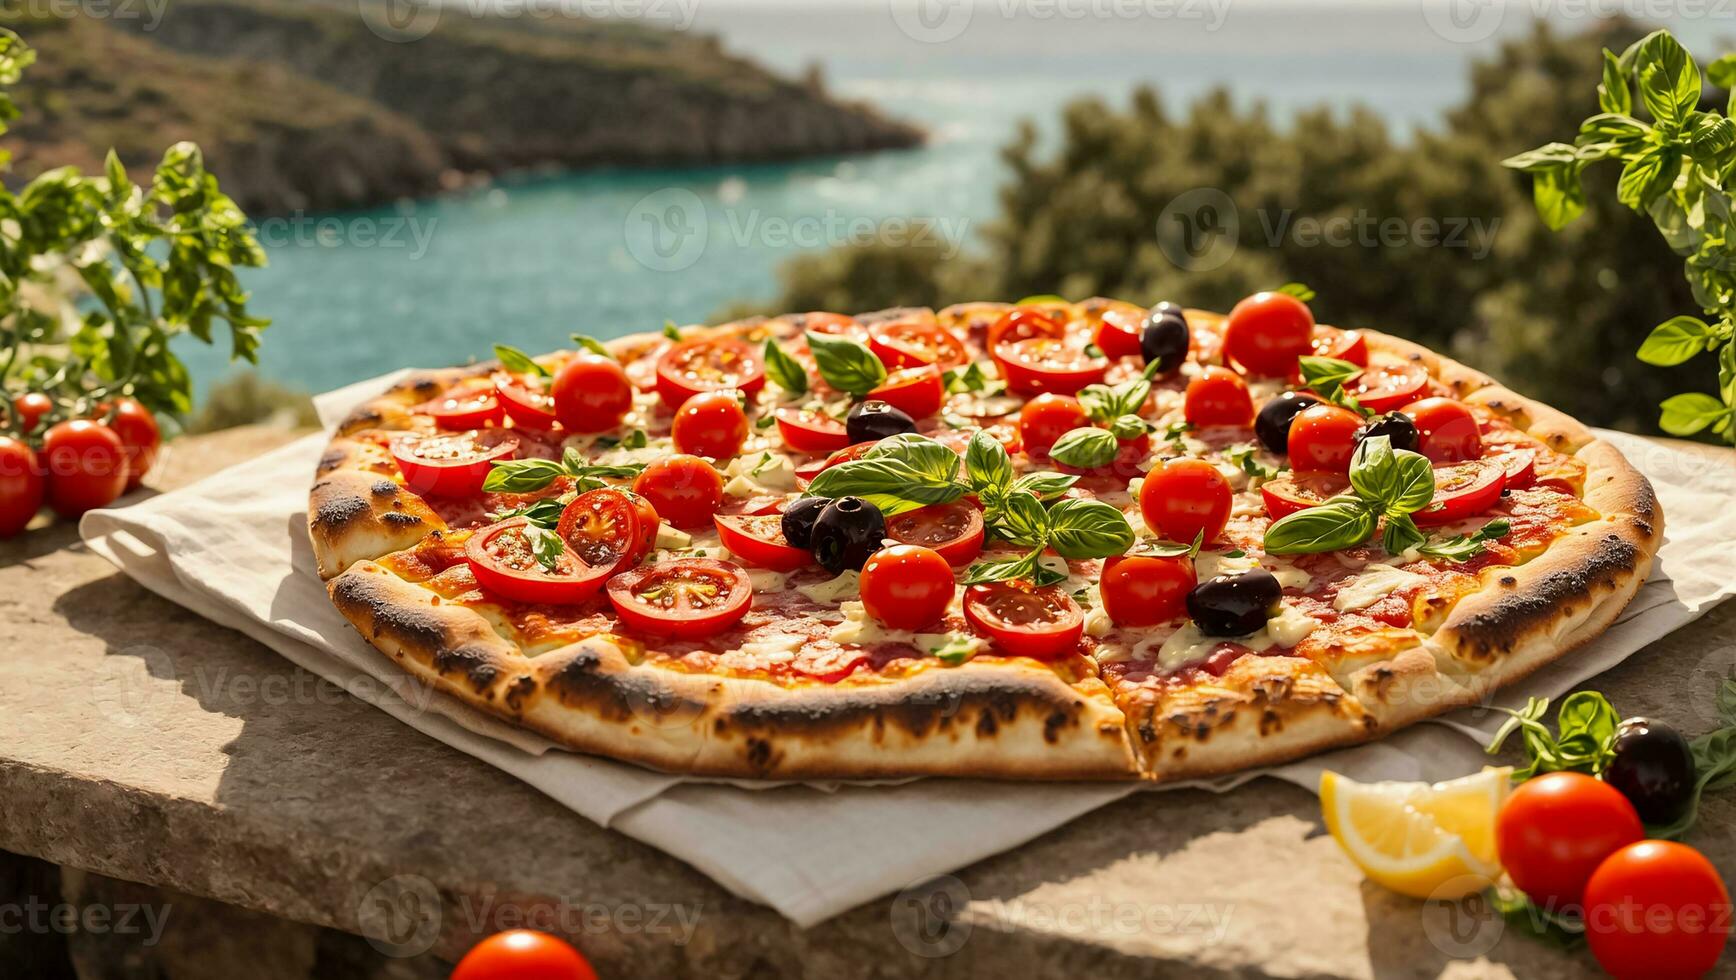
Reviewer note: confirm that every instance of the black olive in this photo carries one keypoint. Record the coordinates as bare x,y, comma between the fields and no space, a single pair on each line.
1396,426
1654,768
799,518
1235,605
1272,425
848,530
874,420
1164,338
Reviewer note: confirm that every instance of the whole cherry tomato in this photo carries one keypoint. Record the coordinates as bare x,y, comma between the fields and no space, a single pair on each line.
86,464
1047,418
684,490
906,586
1323,439
523,954
1145,590
31,407
1267,332
711,423
1447,432
140,437
1185,498
591,393
21,485
1218,396
1656,909
1555,830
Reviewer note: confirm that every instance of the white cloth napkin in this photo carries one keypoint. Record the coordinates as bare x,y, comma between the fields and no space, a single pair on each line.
234,548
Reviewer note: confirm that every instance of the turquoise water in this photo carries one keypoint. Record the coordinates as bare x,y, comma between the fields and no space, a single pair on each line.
529,261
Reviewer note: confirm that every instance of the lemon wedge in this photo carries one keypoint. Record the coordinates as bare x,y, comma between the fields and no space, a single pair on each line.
1420,839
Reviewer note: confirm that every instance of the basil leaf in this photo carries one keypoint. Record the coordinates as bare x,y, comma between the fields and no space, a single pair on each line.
1155,548
1088,529
1339,523
970,378
637,439
956,650
1297,290
785,371
593,345
1464,547
515,361
545,545
1022,520
1045,486
1086,448
1326,375
987,467
938,463
1129,427
1401,535
670,330
885,480
522,475
845,364
1689,412
1103,403
1004,570
543,513
1394,481
1244,456
1587,713
1669,79
1613,95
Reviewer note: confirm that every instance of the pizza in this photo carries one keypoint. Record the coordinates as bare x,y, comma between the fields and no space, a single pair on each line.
1047,540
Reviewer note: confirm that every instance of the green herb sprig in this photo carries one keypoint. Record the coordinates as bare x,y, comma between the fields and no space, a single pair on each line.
1385,483
845,364
1327,376
785,371
531,475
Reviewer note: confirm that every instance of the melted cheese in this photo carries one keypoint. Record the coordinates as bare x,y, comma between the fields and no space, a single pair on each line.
1211,564
1375,583
1097,622
766,580
764,473
1188,644
779,647
848,585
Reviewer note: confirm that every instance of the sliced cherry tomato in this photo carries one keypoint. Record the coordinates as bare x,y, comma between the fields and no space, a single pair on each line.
707,364
1044,364
523,954
526,401
451,464
685,490
1343,345
917,392
1218,396
1555,830
1323,438
953,530
602,527
1024,324
711,423
914,343
1022,620
687,598
808,431
21,485
471,406
1446,430
591,394
907,586
86,464
807,471
139,434
1384,387
1185,498
1520,466
1300,491
1117,335
758,540
1462,490
1657,909
1267,332
648,523
503,557
31,407
836,324
1145,590
1047,418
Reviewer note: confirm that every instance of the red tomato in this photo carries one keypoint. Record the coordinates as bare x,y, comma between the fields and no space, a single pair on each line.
1446,430
1300,491
1047,418
1267,332
86,464
1555,830
472,406
954,530
806,472
1520,466
31,407
907,586
688,598
707,364
1184,498
591,393
602,527
1384,387
836,324
451,464
758,540
1023,324
504,563
685,490
917,392
21,485
1323,438
811,432
1462,490
1118,335
139,434
1657,910
523,954
1141,590
648,523
1218,396
710,423
526,401
1022,620
914,343
1343,345
1046,364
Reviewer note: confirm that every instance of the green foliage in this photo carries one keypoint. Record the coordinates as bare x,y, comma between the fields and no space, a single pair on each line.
247,400
1674,169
